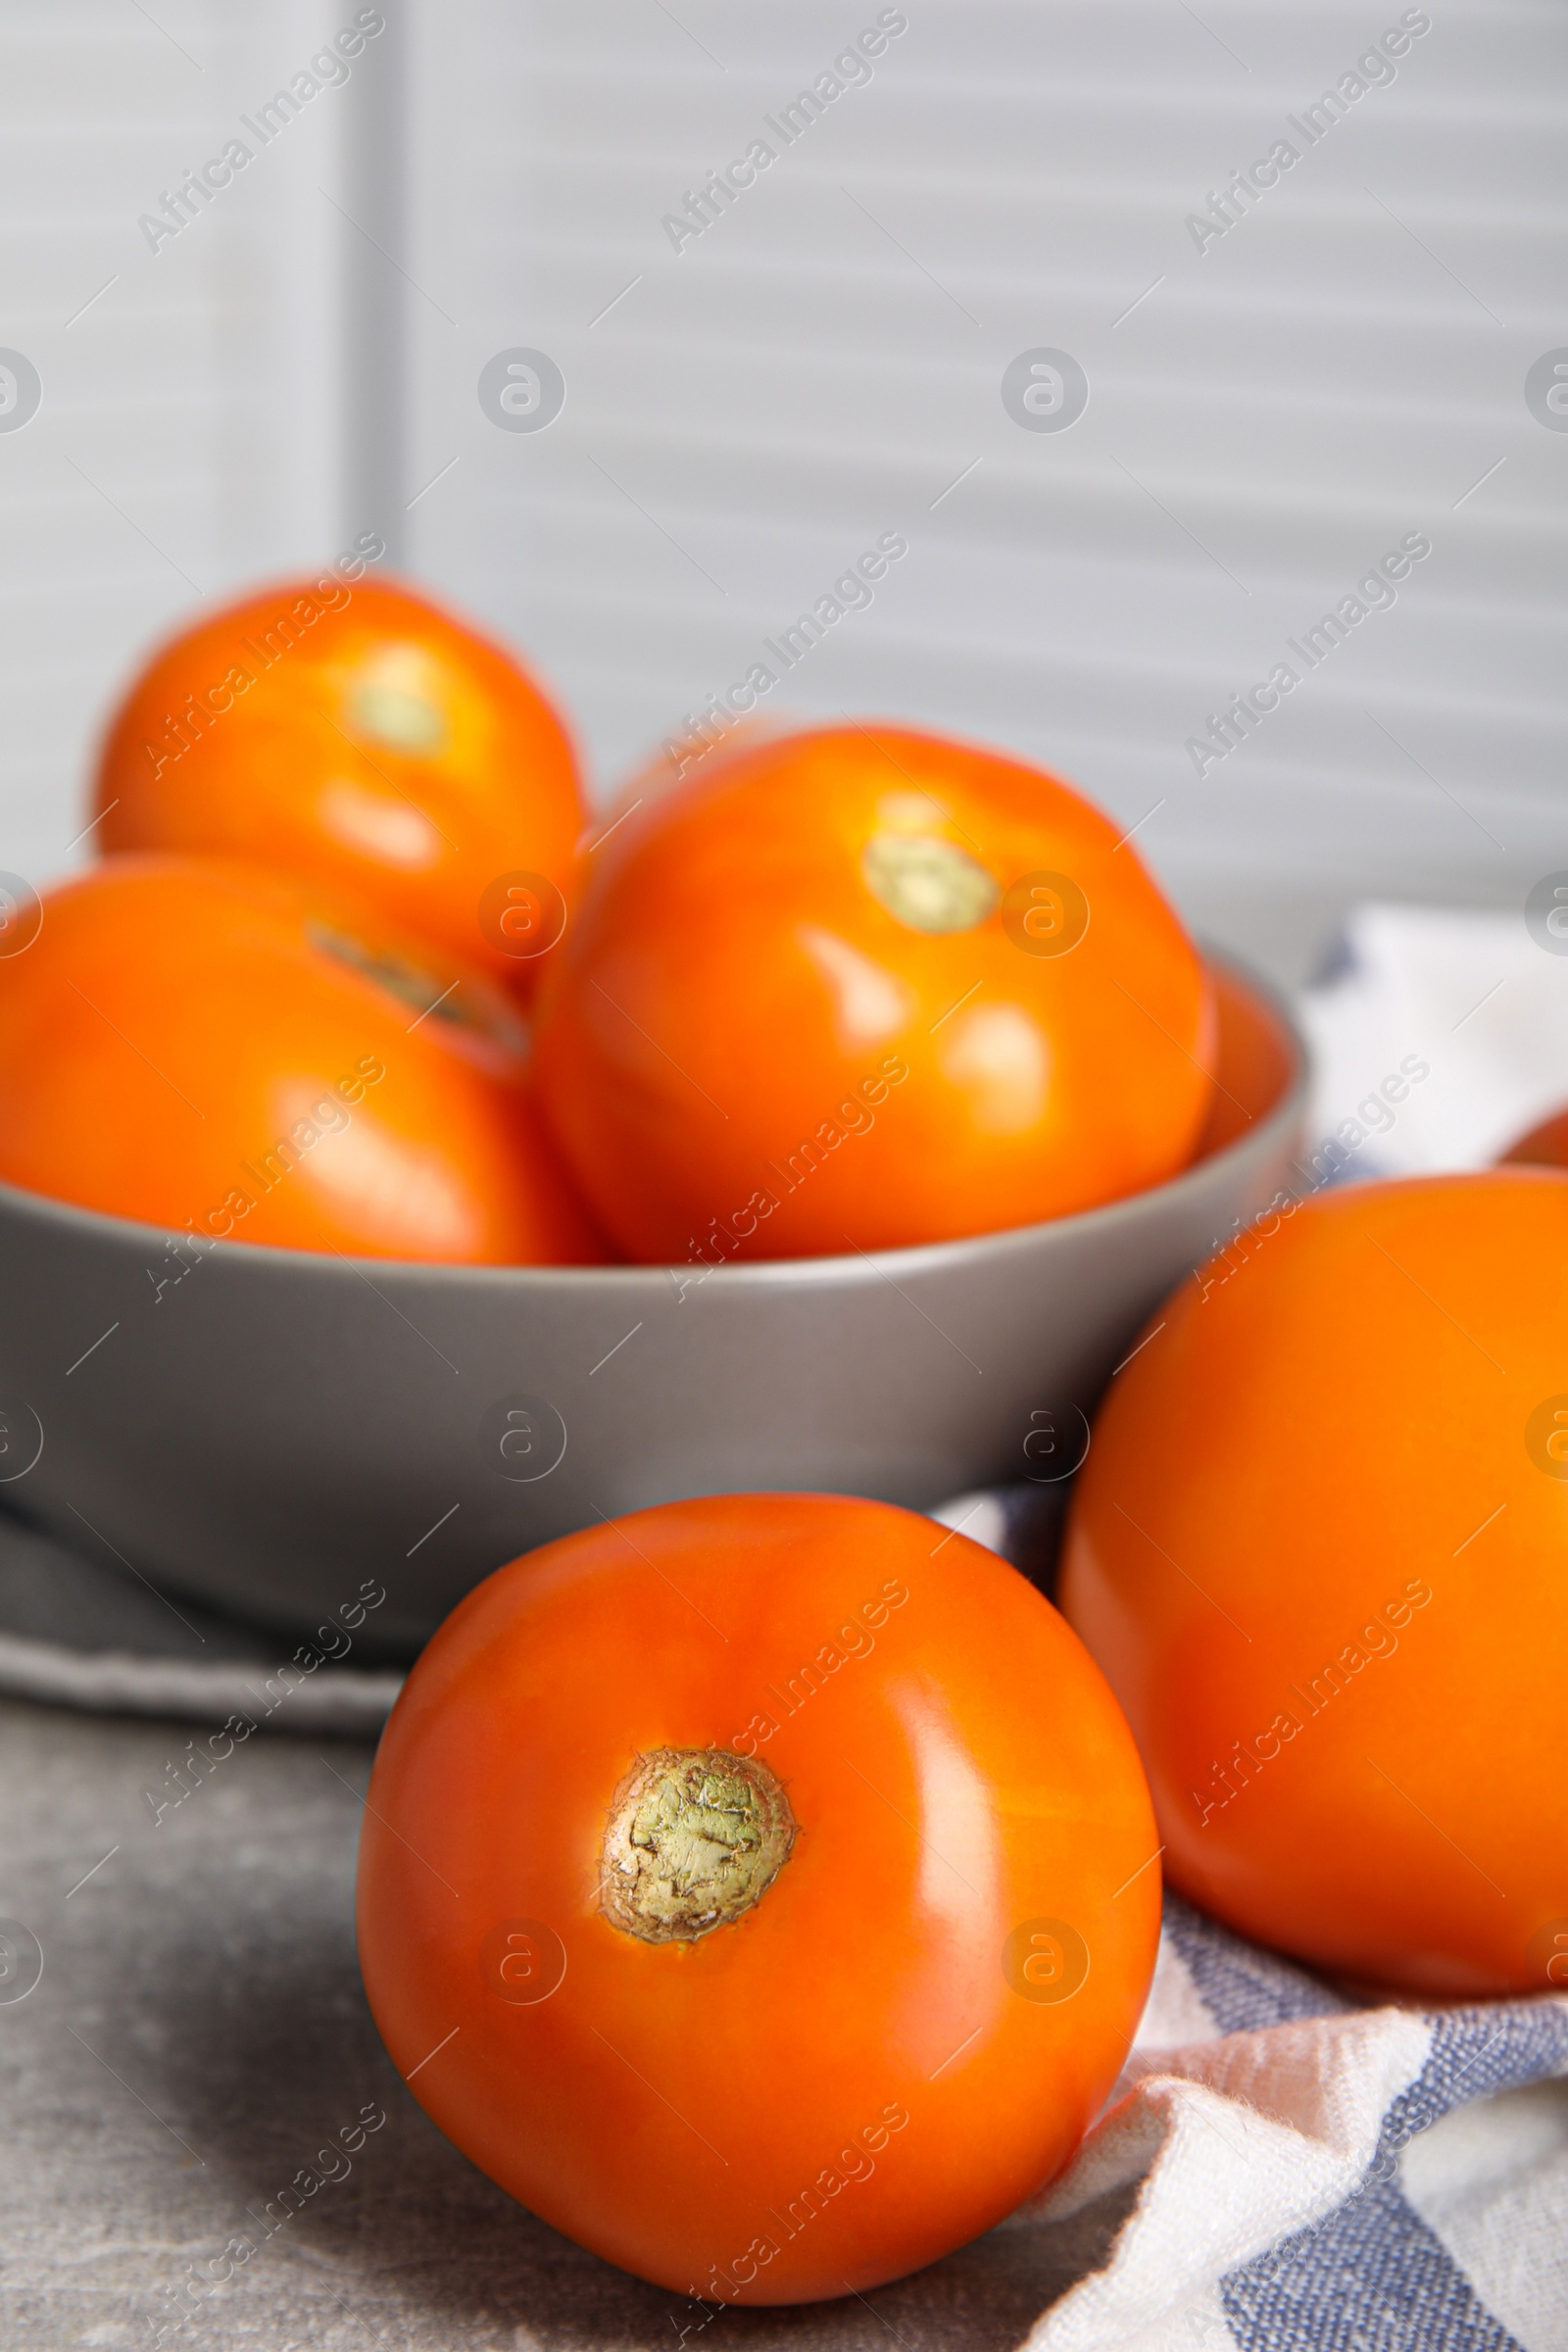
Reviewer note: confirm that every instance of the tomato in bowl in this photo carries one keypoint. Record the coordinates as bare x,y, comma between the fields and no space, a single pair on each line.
353,733
868,988
220,1053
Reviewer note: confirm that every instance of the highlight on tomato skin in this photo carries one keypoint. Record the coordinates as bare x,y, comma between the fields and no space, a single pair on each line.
764,1889
866,987
350,731
216,1050
1317,1549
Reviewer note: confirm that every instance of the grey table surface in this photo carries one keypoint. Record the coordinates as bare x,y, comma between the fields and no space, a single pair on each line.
199,2031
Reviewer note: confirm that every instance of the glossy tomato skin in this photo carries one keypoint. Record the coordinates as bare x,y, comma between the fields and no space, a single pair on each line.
209,1047
836,991
843,2082
356,734
1317,1547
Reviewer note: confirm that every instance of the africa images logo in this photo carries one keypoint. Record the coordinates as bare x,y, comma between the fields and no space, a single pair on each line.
1373,70
851,70
328,70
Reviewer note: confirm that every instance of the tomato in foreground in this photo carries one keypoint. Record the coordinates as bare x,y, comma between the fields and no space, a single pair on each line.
763,1889
1318,1548
210,1048
865,987
351,732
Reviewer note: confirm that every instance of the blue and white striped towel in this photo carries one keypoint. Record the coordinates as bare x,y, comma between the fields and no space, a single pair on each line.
1322,2177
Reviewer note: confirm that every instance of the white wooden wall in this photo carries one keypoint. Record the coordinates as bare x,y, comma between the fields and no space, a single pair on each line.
1266,416
191,428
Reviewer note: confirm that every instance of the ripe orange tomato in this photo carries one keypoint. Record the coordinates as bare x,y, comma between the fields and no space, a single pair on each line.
763,1889
209,1047
859,988
1545,1147
353,733
1318,1548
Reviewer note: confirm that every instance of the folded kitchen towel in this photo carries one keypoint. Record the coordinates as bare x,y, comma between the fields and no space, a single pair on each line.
1439,1035
1321,2175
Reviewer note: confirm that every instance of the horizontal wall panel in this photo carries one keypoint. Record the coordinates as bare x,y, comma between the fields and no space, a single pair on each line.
1270,408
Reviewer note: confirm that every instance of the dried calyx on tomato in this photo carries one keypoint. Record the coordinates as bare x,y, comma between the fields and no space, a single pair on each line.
694,1838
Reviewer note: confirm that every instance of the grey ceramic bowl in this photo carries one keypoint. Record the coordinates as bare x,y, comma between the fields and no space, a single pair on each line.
266,1428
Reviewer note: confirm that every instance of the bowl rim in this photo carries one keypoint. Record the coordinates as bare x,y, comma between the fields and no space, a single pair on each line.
17,1202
